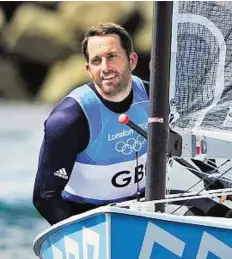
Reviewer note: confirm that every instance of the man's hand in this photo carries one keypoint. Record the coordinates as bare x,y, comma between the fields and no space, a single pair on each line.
223,198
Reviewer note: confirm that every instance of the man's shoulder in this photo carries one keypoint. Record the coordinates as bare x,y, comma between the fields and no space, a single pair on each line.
81,91
146,85
144,82
63,115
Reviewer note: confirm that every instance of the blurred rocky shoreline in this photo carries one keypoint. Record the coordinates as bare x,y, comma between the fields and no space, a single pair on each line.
40,54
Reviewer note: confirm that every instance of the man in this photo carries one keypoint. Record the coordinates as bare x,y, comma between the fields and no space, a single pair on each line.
88,158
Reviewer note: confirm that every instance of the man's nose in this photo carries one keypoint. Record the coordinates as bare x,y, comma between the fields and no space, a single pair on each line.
105,64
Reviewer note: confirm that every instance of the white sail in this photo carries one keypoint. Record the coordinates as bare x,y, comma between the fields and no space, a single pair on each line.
201,67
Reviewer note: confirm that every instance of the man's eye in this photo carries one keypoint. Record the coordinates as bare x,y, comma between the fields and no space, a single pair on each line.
112,56
96,61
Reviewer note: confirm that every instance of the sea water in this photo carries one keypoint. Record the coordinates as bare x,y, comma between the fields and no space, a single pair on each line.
21,133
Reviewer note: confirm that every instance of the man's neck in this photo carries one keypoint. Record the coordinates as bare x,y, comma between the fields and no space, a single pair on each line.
117,107
117,97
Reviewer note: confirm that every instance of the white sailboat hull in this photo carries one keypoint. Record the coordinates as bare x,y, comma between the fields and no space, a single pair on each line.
116,233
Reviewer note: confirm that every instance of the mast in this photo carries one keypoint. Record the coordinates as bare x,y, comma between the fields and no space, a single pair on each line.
158,103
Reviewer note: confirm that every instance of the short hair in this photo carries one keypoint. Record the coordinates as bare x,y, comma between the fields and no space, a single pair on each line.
106,29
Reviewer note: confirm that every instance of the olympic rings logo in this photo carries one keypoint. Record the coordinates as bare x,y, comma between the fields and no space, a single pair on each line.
131,145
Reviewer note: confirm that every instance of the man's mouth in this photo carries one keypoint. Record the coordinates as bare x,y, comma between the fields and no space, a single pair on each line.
109,77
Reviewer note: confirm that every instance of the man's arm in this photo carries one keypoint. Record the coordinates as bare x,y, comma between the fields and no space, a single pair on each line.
66,133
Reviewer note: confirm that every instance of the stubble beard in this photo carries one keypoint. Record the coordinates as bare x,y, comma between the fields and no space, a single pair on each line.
120,87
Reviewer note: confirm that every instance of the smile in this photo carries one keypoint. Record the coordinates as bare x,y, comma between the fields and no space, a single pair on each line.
109,77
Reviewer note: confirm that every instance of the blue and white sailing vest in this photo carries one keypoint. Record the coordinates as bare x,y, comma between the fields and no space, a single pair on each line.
107,170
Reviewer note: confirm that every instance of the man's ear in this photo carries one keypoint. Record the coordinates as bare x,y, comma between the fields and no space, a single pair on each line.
133,60
88,69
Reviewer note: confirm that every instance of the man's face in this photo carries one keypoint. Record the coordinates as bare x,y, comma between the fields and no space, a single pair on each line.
108,64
